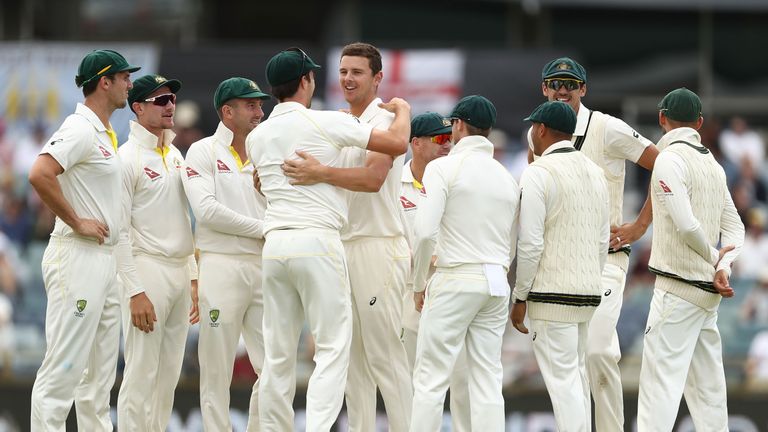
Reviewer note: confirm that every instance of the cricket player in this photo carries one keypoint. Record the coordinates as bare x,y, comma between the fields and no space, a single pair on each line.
609,142
430,139
162,253
564,232
78,176
376,247
305,270
229,213
692,212
467,298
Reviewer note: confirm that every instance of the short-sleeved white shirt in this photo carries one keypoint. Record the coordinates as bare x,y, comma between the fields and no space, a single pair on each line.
622,143
91,181
322,134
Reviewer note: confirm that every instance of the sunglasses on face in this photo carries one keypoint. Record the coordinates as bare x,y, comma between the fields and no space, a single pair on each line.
440,139
162,100
569,83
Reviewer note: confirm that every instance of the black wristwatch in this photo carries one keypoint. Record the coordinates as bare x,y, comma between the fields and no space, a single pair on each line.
517,301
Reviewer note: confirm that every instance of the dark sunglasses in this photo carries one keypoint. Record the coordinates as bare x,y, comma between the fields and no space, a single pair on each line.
440,139
569,83
162,100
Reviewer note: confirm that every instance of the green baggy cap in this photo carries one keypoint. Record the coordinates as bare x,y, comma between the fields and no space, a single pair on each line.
289,65
555,115
430,124
564,67
148,84
475,110
99,63
237,88
682,105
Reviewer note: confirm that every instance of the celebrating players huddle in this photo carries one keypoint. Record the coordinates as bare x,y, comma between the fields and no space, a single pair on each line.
399,270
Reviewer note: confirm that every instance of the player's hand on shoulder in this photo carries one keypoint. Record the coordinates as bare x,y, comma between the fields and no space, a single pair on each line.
396,104
92,228
142,313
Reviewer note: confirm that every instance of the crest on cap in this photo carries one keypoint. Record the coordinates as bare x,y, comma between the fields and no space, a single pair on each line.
160,79
563,66
253,85
446,122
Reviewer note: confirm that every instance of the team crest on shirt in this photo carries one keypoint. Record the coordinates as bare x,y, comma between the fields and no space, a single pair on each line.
191,173
80,307
176,162
407,204
222,167
151,174
664,187
105,152
213,314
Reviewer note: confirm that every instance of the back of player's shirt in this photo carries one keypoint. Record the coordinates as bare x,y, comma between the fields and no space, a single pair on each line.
322,134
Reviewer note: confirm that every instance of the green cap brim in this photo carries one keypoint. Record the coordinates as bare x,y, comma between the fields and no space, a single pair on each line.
254,95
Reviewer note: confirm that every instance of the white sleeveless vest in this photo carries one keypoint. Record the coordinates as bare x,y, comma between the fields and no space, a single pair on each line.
683,271
567,285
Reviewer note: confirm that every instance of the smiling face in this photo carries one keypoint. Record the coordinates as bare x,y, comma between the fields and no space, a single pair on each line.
243,115
562,94
358,82
155,117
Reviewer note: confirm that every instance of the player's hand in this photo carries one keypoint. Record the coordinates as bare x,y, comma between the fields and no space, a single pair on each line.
257,181
518,316
92,228
303,171
418,300
194,312
142,313
626,234
724,250
396,104
722,285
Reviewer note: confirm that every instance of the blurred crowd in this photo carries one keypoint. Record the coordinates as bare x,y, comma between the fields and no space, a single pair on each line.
25,225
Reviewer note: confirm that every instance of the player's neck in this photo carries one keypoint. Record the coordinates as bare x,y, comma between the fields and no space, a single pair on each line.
417,168
359,108
101,108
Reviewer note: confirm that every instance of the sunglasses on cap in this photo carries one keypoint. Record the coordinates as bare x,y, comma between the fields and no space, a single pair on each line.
570,84
304,58
440,139
162,100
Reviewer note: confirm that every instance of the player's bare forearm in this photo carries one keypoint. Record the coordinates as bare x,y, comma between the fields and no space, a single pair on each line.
42,177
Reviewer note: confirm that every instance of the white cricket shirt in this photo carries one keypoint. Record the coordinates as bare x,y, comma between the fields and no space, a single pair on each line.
91,178
411,192
154,202
471,203
374,214
228,210
322,134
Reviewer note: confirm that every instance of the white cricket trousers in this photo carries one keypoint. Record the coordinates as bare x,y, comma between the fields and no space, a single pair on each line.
603,353
82,333
459,384
153,360
560,351
682,355
378,271
460,312
305,277
231,304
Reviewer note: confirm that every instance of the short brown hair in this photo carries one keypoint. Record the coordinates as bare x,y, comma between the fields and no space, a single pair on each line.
474,130
362,49
286,90
91,85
